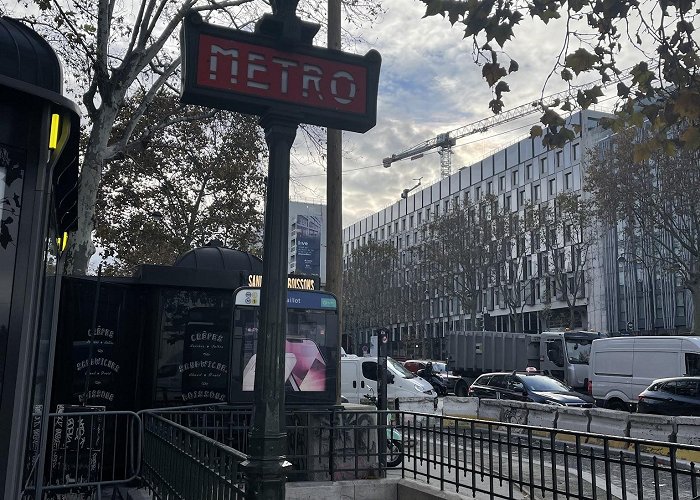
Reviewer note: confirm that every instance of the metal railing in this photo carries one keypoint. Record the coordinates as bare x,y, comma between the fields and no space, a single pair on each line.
182,463
499,459
86,452
197,452
465,455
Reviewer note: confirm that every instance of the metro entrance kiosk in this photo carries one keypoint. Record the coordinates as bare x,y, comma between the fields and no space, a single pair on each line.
39,136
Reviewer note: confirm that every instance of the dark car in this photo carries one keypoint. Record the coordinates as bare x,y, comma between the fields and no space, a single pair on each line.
671,396
528,387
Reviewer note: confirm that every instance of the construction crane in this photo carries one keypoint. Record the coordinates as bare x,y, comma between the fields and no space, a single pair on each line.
446,140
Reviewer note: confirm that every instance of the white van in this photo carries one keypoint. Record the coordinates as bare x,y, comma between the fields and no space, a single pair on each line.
359,375
622,367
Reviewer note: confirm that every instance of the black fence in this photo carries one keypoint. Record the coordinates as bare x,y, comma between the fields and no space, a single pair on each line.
86,452
197,452
463,455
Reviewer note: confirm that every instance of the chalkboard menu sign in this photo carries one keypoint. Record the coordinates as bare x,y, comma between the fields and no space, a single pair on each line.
77,443
204,365
193,360
96,365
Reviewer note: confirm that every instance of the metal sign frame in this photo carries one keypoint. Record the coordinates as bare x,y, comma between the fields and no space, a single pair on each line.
292,62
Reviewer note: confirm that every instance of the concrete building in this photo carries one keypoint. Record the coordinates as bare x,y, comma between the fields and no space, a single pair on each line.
525,174
307,239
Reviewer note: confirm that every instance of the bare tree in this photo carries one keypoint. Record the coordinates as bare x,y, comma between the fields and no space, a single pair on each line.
111,51
658,201
460,248
370,287
567,222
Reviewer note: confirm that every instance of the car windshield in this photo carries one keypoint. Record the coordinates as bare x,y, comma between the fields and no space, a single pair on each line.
578,351
398,368
540,383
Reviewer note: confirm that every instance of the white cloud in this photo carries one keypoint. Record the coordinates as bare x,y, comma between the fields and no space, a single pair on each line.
429,84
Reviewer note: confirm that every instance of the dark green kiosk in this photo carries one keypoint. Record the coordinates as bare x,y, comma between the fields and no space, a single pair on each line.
39,138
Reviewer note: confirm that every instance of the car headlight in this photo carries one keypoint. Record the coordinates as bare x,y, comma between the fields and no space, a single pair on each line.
555,403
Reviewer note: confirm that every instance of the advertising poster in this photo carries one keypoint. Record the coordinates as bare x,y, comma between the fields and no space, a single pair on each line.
309,244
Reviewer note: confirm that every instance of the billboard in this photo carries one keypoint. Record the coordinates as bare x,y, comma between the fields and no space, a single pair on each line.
308,242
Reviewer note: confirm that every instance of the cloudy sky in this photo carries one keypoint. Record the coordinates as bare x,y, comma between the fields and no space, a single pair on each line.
429,84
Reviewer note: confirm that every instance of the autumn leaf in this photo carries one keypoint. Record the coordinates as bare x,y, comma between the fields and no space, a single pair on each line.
493,72
688,104
691,137
433,7
536,131
580,61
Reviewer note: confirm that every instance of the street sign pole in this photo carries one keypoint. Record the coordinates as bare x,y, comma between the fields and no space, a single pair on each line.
266,468
276,73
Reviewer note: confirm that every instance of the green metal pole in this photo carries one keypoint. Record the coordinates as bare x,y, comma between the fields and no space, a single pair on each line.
266,468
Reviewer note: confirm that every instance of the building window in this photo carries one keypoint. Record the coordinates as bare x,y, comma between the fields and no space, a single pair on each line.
543,165
408,240
514,177
536,192
508,203
528,171
478,192
489,187
396,227
567,180
420,215
552,186
363,240
502,183
559,159
427,214
410,222
467,197
574,151
521,198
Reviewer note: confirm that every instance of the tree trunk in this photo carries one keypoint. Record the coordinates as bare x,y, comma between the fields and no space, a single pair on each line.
81,247
694,287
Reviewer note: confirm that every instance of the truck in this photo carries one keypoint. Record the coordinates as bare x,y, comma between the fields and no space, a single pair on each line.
563,355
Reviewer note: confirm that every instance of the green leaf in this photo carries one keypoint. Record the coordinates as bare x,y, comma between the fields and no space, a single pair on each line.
566,75
513,66
580,61
536,131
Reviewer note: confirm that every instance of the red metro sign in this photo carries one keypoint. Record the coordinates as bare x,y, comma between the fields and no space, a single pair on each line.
254,74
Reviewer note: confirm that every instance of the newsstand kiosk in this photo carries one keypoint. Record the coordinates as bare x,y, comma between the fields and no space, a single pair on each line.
39,138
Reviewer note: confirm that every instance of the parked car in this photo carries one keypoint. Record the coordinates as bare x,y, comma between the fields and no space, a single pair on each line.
528,387
439,367
671,396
